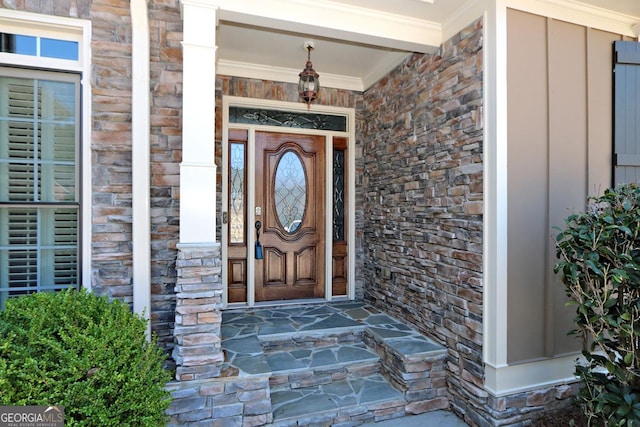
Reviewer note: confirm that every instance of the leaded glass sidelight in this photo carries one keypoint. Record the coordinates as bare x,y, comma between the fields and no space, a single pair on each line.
338,195
290,192
236,193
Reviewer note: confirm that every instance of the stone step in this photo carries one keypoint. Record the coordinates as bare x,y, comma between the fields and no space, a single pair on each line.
309,339
345,402
322,365
338,364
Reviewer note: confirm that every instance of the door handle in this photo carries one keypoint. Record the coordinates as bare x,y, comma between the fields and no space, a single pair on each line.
258,244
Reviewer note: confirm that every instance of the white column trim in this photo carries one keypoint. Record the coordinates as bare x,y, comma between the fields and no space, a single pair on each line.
495,186
87,180
507,380
198,168
140,159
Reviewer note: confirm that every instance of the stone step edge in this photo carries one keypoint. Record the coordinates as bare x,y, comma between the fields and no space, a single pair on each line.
313,333
374,359
324,376
390,341
363,408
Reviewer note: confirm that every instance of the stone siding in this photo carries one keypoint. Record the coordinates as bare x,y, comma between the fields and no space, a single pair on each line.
198,316
233,402
111,265
165,25
422,189
516,410
111,168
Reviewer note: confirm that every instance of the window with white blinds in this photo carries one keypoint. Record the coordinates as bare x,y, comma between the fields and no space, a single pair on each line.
39,181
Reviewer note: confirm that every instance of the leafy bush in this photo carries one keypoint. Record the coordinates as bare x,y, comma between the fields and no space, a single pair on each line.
599,262
85,353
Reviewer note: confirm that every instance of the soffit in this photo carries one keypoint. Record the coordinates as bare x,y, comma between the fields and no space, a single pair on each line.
356,41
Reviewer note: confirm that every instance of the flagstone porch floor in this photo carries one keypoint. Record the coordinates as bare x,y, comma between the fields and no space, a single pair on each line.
304,348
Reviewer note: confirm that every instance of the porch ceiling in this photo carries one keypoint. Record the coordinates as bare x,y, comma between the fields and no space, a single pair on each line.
356,41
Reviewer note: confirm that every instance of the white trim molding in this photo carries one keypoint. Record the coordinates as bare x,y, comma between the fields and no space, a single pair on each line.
140,157
506,380
287,75
580,13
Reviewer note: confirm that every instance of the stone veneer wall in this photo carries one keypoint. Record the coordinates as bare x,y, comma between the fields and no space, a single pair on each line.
110,135
165,24
423,203
111,168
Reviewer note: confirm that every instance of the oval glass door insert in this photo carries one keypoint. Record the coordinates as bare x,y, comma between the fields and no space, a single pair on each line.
290,192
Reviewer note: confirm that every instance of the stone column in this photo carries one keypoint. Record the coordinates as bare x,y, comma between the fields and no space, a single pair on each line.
197,350
199,287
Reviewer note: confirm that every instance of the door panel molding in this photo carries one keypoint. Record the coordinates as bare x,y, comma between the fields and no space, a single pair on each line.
304,190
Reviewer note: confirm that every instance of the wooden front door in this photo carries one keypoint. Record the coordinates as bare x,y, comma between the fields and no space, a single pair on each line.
290,208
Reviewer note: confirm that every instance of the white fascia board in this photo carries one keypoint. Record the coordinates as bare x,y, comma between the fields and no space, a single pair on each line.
511,379
337,21
579,13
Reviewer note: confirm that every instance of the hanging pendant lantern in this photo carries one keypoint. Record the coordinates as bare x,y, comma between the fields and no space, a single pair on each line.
309,83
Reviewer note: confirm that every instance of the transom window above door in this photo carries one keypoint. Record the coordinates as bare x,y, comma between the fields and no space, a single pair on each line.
290,119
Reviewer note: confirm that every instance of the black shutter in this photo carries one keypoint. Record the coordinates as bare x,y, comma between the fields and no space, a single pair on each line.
626,112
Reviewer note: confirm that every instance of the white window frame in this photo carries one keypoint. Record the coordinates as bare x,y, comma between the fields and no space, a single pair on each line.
70,29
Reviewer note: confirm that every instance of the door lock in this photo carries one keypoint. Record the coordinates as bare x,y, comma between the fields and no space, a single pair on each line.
258,210
225,217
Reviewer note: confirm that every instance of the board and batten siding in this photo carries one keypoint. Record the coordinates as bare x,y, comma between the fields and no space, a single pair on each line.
559,84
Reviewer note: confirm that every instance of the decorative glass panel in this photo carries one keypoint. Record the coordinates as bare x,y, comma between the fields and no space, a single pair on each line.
256,116
236,193
290,192
338,195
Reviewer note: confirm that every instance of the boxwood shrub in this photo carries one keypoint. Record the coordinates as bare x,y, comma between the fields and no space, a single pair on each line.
85,353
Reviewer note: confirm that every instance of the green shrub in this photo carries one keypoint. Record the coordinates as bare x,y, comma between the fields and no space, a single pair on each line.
599,262
85,353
